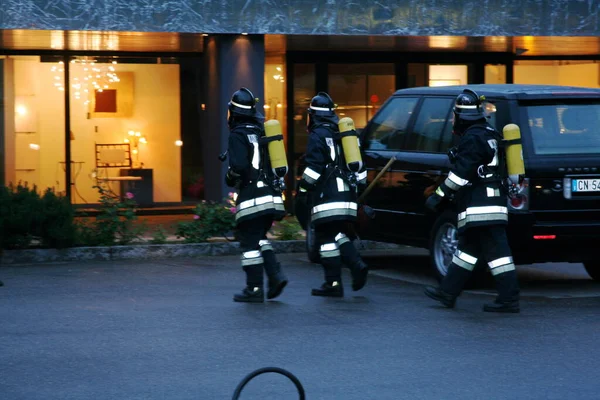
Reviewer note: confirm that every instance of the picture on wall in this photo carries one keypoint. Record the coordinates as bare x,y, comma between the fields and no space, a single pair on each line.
116,101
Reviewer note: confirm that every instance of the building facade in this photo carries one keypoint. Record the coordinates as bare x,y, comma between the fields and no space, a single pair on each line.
132,95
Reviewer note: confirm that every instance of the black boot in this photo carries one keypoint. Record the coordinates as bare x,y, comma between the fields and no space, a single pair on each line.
277,279
358,268
253,292
333,289
250,295
438,294
333,278
507,301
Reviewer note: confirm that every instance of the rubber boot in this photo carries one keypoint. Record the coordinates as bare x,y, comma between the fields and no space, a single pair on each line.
438,294
358,268
451,286
277,279
253,292
507,301
332,287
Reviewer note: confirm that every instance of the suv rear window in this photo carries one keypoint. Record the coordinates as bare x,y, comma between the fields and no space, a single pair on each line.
565,128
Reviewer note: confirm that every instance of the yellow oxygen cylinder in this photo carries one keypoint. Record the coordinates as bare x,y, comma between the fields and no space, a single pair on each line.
276,149
514,152
350,144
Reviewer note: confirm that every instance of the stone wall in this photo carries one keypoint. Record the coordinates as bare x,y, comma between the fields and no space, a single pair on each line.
383,17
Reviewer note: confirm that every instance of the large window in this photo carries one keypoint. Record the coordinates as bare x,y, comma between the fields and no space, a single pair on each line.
359,90
582,73
125,128
565,128
125,132
388,130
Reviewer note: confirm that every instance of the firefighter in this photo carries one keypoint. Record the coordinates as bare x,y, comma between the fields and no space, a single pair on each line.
476,180
332,187
259,200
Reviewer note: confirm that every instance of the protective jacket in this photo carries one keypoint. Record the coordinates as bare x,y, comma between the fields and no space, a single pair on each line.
248,158
476,178
331,186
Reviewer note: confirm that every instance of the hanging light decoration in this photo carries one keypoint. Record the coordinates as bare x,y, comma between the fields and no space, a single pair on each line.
88,74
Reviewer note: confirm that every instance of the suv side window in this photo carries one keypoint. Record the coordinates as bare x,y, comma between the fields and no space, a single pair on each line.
431,125
388,128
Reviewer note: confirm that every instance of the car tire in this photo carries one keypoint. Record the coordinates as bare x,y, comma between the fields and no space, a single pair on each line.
442,246
312,250
442,243
593,269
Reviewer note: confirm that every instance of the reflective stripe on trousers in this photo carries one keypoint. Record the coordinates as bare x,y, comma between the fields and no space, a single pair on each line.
501,265
265,245
340,239
481,214
251,258
464,260
329,250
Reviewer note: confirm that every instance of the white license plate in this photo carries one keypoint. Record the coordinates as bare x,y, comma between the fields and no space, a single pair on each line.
585,185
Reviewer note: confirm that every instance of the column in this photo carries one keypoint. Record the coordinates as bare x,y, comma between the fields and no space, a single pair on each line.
231,62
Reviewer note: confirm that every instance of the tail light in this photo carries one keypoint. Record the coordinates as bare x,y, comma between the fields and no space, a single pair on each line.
518,198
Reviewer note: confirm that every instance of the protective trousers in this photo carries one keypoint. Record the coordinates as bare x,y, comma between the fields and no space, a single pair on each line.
350,255
491,244
257,251
328,236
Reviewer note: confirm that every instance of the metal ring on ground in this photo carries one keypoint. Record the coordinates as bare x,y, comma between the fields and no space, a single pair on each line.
252,375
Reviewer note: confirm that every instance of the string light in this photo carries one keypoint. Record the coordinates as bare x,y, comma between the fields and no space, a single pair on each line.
101,76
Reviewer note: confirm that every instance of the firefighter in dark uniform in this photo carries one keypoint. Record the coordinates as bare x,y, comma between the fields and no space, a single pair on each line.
259,201
481,200
332,188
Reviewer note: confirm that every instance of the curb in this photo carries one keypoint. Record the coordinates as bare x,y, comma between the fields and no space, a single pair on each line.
156,251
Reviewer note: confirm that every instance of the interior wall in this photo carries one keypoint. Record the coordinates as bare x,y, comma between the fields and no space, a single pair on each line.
542,73
156,115
447,75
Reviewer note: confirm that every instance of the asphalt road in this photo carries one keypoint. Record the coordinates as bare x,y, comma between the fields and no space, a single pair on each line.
169,330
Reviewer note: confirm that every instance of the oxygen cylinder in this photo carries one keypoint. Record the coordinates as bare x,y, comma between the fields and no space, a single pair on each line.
514,152
350,144
276,148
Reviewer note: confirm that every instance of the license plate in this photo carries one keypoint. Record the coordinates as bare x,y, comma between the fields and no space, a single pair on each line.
585,185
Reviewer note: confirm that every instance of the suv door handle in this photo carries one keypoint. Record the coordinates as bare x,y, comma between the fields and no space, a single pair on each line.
433,172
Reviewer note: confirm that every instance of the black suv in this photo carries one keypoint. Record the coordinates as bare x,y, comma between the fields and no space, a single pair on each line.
557,218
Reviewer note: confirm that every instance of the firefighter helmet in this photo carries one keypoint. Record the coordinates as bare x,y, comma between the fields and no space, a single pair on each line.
468,106
243,102
322,105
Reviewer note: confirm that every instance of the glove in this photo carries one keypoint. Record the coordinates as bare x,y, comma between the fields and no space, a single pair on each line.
232,179
434,201
452,154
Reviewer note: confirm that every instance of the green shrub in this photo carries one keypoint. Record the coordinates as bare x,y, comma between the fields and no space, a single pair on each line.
25,216
211,219
113,224
57,229
159,236
287,229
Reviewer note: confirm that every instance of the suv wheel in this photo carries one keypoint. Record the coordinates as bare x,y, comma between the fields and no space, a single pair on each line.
312,249
443,242
593,269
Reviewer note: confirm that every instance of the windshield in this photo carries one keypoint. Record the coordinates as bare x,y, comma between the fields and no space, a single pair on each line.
565,128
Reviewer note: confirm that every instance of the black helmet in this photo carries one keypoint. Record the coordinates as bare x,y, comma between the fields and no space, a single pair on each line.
243,102
468,107
322,105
